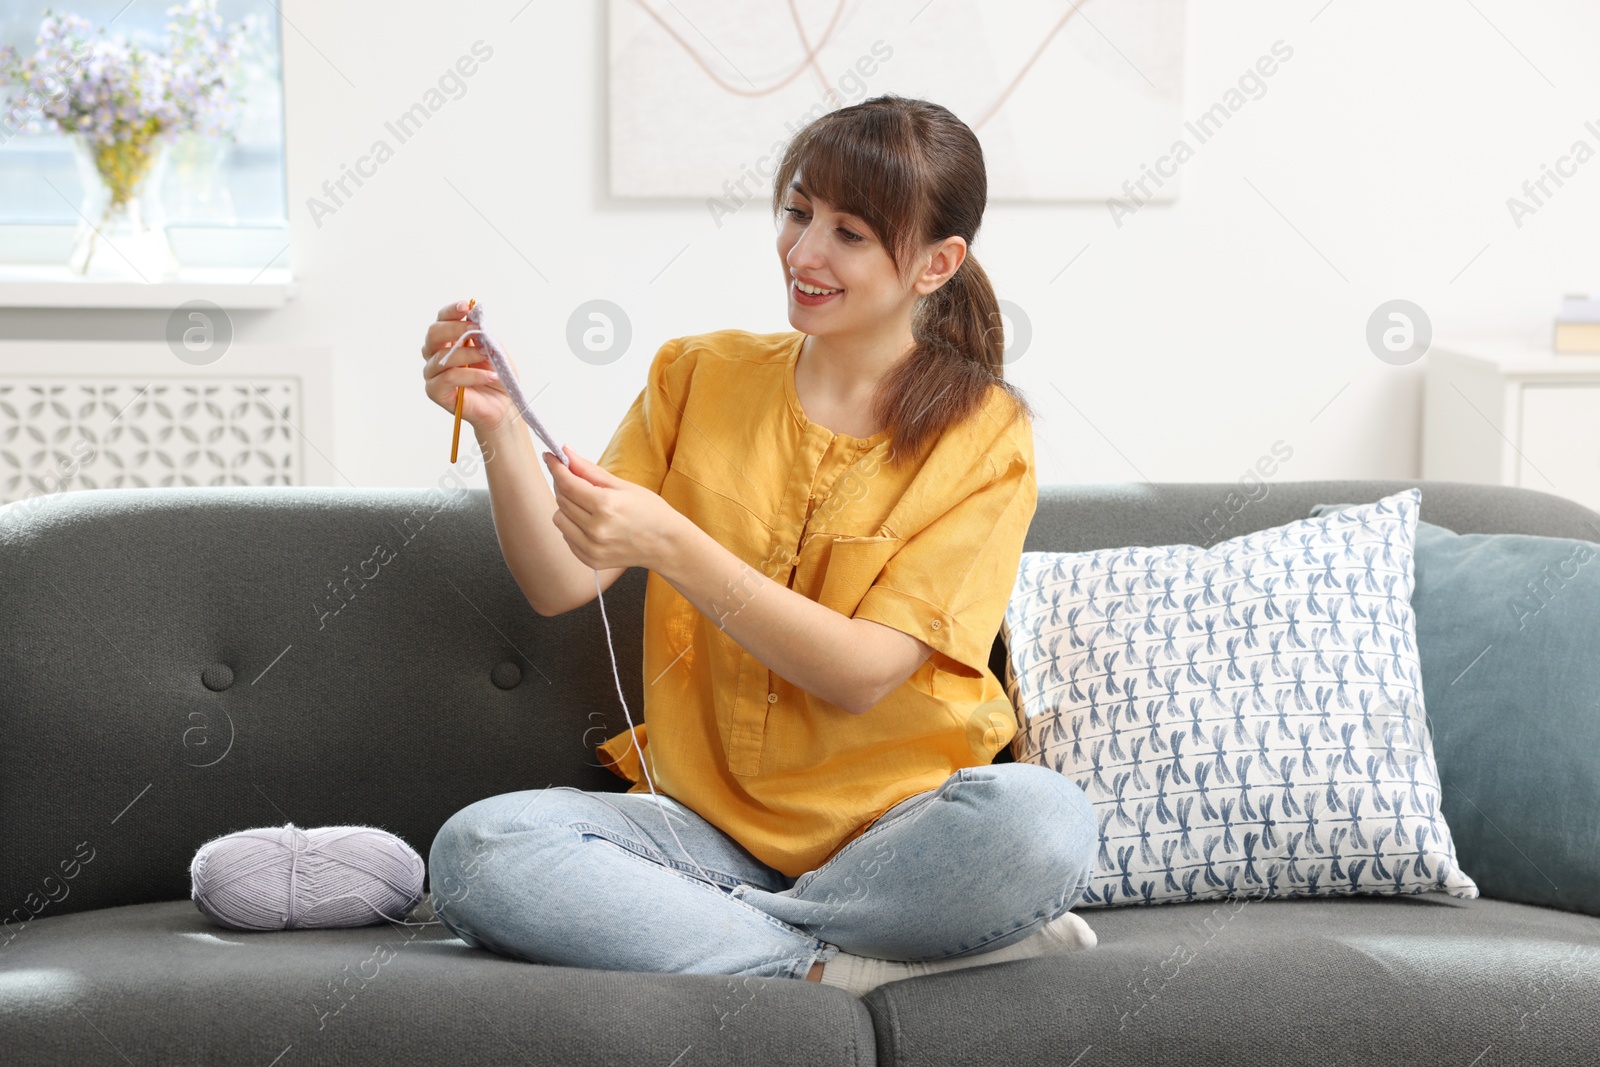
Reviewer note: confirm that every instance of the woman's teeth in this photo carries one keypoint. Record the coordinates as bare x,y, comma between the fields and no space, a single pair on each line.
811,290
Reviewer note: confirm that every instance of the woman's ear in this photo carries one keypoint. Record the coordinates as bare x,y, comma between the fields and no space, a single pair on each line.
946,257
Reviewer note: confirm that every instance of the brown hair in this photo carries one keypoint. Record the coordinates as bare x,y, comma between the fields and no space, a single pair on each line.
914,173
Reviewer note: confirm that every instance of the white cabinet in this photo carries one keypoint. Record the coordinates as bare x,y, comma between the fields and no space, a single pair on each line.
1507,414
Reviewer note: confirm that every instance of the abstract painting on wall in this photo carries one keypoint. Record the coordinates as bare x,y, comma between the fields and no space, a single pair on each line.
1069,98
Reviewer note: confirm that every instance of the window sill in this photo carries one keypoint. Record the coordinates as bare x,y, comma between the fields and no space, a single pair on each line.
231,288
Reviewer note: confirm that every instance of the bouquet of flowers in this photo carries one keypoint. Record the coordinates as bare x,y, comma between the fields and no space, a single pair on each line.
123,101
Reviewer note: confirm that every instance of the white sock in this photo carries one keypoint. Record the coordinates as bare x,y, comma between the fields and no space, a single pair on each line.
1065,933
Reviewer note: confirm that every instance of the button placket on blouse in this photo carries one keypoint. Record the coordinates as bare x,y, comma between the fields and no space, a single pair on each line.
748,730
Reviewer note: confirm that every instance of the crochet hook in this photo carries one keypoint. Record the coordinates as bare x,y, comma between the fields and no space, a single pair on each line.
461,399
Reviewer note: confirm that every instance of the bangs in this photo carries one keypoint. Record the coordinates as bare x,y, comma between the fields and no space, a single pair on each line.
862,164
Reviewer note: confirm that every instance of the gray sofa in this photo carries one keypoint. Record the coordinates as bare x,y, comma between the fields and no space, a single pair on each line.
182,663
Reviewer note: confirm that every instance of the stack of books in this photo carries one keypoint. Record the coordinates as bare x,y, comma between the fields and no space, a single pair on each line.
1578,324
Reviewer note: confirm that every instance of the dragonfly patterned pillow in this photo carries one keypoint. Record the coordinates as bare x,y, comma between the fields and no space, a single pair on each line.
1247,718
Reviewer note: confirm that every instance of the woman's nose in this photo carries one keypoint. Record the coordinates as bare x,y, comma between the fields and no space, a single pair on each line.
807,244
804,253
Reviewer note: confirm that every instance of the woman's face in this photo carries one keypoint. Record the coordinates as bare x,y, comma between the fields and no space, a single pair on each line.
830,250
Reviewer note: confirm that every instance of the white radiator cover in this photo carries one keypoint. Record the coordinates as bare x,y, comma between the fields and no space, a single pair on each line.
110,415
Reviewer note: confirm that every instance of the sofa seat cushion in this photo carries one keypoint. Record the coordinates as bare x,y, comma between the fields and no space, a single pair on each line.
162,984
1421,981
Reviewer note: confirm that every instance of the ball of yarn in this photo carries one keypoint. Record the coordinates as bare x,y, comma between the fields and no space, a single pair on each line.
285,878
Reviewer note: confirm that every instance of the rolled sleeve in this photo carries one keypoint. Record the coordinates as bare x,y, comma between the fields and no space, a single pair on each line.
641,449
949,584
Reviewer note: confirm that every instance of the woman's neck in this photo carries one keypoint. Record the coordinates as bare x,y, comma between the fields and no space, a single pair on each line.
846,373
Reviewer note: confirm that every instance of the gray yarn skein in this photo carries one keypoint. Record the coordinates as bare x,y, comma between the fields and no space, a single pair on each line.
285,878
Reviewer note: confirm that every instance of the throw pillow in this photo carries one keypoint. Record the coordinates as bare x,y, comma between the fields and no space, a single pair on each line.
1247,718
1508,629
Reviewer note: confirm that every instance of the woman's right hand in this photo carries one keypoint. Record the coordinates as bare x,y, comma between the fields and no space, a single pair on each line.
487,403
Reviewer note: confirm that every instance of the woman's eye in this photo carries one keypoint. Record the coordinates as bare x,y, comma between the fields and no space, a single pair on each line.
850,238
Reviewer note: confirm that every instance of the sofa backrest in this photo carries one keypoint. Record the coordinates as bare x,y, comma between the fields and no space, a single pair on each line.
179,663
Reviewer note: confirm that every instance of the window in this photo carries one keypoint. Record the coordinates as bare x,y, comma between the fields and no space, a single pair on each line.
224,197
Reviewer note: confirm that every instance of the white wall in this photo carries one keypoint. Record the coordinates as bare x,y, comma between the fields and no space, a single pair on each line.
1187,341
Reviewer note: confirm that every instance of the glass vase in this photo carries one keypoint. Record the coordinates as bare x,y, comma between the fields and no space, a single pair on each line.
121,226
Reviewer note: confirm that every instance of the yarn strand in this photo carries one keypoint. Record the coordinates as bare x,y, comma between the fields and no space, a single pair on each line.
633,738
502,366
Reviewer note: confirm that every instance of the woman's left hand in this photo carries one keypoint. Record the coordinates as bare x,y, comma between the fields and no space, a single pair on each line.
608,521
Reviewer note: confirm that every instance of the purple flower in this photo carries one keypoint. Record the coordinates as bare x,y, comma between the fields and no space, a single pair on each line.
109,90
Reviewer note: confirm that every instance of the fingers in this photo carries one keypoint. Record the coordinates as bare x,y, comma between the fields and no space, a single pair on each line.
441,335
571,490
444,359
449,326
467,376
570,530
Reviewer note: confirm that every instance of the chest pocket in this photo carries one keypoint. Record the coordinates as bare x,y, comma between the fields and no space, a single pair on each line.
836,570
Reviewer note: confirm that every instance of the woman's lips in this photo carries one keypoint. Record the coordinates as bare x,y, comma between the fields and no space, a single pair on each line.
807,299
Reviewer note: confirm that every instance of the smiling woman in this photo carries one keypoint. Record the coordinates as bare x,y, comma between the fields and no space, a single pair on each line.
819,617
854,238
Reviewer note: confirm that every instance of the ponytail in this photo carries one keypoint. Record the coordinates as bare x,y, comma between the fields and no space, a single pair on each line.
959,356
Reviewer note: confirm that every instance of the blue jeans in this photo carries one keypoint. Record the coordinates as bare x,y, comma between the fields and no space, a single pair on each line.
594,879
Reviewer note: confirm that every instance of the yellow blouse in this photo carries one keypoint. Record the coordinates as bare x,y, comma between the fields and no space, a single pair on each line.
931,549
